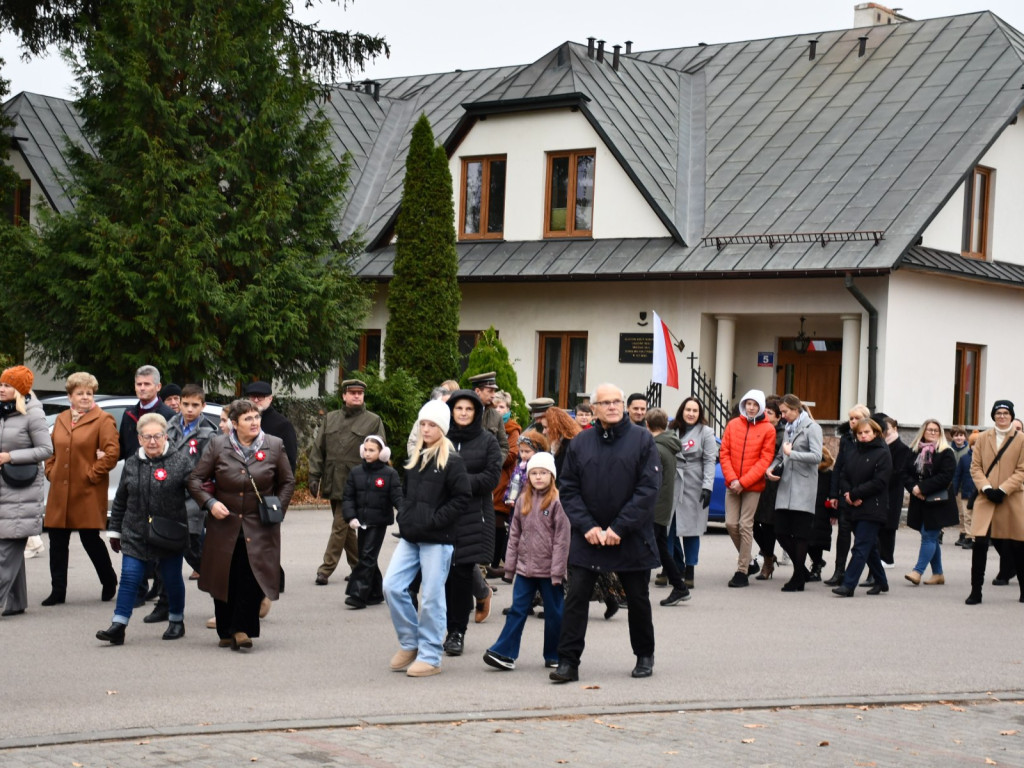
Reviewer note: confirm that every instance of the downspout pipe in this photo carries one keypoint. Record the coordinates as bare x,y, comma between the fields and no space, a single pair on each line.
872,337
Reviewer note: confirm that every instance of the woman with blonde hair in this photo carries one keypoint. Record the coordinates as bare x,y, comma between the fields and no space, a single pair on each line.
844,531
929,479
86,447
796,469
24,442
436,493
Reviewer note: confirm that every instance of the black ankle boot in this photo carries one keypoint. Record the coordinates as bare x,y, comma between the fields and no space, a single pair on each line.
56,598
114,634
835,579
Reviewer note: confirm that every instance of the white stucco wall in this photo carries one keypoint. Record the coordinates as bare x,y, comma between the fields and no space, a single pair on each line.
765,311
17,162
1006,231
619,208
928,315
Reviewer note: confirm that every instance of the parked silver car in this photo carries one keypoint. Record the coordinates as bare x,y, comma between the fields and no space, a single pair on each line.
115,405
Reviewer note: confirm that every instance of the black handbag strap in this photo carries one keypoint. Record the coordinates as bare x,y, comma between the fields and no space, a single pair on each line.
253,481
1006,444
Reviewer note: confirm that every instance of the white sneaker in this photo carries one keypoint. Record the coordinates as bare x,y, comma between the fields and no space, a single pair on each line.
888,565
34,546
784,559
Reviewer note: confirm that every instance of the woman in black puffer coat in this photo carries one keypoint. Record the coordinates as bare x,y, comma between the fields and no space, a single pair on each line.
929,478
474,532
864,486
841,510
153,484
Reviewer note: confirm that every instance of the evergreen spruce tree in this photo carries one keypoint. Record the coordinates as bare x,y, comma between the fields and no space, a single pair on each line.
490,354
202,238
424,296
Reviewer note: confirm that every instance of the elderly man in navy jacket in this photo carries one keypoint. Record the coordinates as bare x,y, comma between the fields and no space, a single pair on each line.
608,487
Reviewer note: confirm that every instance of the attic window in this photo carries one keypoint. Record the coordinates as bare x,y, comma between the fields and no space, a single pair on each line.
978,213
483,198
569,198
18,203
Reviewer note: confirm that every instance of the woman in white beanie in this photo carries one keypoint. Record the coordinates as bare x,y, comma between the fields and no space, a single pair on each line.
436,493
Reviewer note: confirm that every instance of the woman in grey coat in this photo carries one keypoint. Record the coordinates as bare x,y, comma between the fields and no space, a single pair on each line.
796,469
695,478
24,440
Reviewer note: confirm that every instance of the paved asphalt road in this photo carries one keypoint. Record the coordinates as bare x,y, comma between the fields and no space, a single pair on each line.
726,656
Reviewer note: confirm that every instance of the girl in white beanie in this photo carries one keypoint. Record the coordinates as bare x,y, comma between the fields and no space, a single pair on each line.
436,492
537,556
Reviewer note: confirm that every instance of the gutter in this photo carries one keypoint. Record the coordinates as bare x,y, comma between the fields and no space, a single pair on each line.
872,337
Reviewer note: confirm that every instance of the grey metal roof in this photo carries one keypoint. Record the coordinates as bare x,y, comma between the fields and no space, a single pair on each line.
734,139
42,127
918,258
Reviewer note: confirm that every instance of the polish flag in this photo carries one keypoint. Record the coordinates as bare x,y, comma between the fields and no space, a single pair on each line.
665,370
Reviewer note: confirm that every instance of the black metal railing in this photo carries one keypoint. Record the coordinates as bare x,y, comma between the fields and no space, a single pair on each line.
716,407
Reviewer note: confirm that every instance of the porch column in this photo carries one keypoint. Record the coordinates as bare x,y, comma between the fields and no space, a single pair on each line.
725,352
850,376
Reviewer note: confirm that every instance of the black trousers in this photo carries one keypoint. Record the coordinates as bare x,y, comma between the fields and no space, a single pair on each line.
764,535
668,563
366,581
458,593
577,611
844,537
887,544
241,611
60,538
1011,561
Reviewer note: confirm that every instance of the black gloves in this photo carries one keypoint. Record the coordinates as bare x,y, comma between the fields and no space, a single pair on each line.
705,498
115,544
994,495
314,487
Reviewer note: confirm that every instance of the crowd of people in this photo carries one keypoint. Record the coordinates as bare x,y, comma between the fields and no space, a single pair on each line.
570,509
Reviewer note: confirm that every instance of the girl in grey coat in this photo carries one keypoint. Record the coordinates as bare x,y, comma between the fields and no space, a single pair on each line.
694,481
24,440
796,469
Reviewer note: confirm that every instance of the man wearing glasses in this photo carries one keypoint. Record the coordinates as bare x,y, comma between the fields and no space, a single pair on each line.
273,421
608,487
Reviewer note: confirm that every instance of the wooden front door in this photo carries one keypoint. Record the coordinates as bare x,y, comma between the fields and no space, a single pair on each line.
813,376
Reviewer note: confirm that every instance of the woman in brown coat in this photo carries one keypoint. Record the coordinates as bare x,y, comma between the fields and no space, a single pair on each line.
999,506
241,557
86,447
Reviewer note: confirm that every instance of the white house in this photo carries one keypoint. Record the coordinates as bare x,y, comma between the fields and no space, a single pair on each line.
835,214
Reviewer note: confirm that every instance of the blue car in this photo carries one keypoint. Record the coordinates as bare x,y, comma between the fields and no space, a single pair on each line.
716,512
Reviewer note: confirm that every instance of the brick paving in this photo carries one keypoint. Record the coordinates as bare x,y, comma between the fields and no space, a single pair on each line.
943,733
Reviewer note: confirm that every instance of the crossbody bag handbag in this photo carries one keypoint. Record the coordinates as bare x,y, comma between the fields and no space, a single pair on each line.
19,475
271,510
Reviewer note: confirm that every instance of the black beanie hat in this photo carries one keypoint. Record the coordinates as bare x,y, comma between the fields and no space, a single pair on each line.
1003,404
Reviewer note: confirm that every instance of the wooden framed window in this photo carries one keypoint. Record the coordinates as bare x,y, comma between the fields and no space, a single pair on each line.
977,213
19,203
967,384
467,340
368,351
483,198
569,197
562,367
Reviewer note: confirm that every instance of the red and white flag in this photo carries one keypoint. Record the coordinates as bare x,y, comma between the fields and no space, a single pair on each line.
665,370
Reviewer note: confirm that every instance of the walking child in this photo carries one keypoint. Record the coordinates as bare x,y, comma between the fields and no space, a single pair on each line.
537,556
372,493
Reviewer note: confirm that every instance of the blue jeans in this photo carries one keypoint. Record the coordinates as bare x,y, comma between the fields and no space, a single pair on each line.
865,550
425,632
523,590
133,571
930,552
691,549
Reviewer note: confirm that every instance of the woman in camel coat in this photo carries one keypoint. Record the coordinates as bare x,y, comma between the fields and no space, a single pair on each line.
999,506
86,447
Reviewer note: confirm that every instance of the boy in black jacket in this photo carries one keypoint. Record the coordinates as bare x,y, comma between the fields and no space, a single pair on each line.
372,493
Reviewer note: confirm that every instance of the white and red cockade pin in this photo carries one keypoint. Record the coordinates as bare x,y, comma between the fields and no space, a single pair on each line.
260,455
193,446
690,444
160,474
379,482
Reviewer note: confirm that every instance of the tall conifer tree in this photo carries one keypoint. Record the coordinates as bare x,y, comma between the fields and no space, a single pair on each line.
203,235
424,296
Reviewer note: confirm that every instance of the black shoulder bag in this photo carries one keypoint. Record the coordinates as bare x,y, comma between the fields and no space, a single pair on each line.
271,510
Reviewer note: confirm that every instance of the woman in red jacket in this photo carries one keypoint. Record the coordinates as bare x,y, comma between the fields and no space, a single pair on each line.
748,447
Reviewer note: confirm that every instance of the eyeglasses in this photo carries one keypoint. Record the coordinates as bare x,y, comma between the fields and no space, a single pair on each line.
608,403
152,438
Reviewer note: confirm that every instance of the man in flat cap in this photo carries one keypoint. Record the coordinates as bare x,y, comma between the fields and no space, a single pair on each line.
485,385
272,420
334,452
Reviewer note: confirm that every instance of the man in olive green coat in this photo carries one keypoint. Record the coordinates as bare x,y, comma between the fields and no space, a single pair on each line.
334,452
